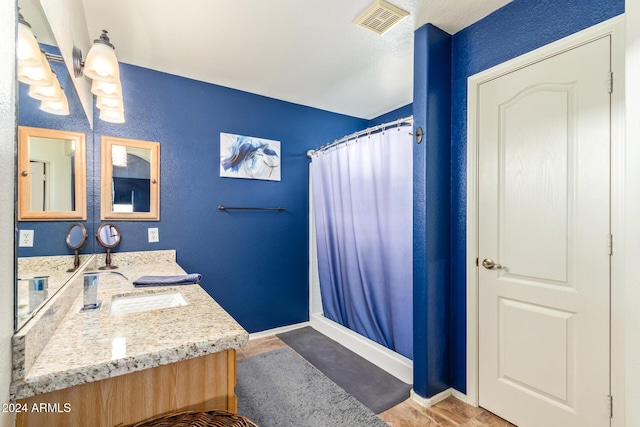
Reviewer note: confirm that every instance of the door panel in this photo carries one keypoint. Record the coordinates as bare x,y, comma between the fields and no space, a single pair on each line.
533,162
38,186
549,337
543,213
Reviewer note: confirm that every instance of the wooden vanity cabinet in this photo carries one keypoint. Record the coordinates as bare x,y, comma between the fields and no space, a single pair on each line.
202,383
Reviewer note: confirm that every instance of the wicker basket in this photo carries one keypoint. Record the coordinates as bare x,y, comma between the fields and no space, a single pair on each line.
214,418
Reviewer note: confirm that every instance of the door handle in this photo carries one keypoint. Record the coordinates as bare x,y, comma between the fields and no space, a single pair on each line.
490,264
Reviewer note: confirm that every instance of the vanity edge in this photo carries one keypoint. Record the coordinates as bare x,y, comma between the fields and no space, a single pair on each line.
52,371
61,380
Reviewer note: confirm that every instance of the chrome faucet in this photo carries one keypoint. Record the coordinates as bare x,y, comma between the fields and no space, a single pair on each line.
90,295
38,290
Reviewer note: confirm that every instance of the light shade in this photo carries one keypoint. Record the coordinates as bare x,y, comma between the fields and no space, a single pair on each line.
110,104
106,90
119,155
112,116
60,108
28,50
47,93
102,67
101,63
40,75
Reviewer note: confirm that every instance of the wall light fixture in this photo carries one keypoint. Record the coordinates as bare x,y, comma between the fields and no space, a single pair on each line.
28,50
47,93
59,107
34,70
119,156
102,67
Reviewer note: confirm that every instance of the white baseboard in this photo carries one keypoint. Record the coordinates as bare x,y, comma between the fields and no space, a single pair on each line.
392,362
459,395
429,402
274,331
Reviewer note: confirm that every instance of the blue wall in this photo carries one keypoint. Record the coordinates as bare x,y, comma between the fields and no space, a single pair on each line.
431,210
513,30
398,113
253,263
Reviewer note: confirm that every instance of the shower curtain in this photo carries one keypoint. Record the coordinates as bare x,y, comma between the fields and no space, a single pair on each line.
363,202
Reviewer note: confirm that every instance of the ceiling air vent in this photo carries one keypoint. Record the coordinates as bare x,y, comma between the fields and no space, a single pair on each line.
380,17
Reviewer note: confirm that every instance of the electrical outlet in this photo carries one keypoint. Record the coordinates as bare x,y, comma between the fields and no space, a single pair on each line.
153,235
26,239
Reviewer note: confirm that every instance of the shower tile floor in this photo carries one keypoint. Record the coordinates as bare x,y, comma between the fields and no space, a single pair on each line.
451,412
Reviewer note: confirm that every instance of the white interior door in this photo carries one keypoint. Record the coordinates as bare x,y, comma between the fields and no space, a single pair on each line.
543,220
38,186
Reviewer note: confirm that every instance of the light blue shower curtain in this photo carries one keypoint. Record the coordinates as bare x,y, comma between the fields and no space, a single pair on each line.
363,197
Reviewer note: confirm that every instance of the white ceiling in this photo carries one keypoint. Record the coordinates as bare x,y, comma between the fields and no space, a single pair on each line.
302,51
34,15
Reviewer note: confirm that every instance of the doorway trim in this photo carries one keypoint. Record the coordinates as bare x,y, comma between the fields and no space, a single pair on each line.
615,28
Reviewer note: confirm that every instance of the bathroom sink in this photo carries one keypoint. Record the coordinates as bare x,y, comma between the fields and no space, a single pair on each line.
145,302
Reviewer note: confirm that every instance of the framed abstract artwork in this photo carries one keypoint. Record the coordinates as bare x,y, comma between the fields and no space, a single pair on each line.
249,157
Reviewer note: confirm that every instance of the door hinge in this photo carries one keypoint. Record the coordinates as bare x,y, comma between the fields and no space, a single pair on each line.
610,244
610,82
610,405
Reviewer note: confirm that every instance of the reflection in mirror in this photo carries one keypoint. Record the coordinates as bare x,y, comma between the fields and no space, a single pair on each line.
32,290
130,187
50,255
108,237
76,239
36,289
51,174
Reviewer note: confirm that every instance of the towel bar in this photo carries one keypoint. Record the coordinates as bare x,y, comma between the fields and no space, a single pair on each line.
226,208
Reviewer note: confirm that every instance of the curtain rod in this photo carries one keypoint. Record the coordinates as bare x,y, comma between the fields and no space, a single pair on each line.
367,131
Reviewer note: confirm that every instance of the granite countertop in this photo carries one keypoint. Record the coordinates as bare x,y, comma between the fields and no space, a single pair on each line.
91,346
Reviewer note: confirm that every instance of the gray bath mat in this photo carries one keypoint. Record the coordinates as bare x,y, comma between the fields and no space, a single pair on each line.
377,389
280,389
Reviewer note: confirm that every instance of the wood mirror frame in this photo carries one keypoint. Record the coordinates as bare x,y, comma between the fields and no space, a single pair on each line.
107,191
79,186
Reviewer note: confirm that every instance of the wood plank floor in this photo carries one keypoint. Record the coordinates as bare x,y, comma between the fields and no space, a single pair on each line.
451,412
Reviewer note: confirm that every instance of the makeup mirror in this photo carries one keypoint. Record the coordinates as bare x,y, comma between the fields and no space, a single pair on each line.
76,239
108,236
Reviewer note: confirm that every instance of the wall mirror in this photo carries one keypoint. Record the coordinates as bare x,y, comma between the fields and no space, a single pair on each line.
129,179
50,255
51,174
